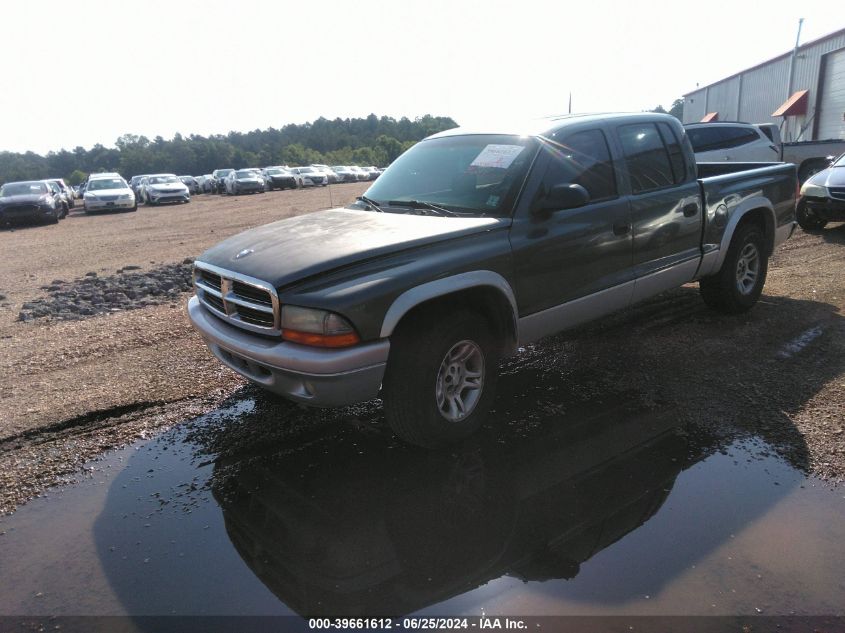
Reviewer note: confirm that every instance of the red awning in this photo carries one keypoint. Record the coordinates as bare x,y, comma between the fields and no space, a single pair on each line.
795,105
710,117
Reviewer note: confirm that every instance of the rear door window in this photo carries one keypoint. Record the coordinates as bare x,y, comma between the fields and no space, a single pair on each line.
646,157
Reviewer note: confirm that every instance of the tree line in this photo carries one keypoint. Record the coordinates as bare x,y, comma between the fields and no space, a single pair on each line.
360,141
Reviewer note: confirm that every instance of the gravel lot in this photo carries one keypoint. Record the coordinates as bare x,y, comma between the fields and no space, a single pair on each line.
117,359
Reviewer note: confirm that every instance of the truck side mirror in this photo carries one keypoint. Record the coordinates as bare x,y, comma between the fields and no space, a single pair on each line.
563,196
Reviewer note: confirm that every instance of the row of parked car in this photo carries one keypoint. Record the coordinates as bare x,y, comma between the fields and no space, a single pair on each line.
256,179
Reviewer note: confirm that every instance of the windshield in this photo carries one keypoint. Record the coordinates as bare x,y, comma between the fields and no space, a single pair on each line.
274,172
245,173
161,180
106,183
23,189
305,170
839,162
478,174
222,173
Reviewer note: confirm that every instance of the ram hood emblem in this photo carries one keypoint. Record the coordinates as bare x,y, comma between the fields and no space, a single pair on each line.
244,253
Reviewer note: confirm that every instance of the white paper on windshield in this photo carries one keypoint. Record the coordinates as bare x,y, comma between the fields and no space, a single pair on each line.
500,156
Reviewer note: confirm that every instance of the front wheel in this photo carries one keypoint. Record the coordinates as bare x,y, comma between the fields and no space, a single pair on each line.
441,378
808,220
738,284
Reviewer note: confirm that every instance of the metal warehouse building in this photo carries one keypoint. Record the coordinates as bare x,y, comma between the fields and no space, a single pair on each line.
802,90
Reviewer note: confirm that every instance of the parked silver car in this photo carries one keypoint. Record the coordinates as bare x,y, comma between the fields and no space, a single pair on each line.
161,188
244,181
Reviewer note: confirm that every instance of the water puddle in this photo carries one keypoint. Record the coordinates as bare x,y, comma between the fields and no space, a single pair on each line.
597,508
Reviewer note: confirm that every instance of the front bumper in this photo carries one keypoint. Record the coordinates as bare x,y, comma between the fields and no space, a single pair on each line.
311,375
169,197
830,209
12,213
103,205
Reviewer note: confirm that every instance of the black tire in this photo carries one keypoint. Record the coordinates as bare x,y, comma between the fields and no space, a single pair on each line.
808,220
64,212
722,290
418,349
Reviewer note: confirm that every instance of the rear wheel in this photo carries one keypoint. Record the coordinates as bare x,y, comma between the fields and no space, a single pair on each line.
738,284
441,378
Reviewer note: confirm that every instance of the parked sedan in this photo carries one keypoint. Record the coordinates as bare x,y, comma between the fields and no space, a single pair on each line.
135,185
67,192
244,181
161,188
329,172
29,200
822,197
191,183
279,178
311,177
344,173
219,180
109,193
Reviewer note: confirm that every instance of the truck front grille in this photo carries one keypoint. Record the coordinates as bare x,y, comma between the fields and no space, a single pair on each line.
242,301
837,192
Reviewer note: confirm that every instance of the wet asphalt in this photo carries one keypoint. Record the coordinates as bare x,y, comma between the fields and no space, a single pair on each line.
598,506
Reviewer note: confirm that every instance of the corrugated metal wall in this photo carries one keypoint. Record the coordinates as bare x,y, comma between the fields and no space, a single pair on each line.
754,94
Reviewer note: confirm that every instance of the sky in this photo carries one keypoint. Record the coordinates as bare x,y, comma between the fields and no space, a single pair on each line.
105,68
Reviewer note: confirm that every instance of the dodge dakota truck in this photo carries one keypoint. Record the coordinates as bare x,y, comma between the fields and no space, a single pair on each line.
475,242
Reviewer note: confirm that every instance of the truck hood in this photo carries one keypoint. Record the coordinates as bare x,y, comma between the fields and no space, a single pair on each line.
296,248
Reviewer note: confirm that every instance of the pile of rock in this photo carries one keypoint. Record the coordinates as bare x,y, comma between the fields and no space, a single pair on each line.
92,294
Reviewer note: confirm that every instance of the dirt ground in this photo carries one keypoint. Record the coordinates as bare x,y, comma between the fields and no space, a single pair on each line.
71,389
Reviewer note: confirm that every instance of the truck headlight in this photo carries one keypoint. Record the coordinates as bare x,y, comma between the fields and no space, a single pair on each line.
319,328
814,191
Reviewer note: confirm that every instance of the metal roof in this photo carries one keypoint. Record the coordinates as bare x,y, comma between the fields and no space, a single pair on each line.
809,44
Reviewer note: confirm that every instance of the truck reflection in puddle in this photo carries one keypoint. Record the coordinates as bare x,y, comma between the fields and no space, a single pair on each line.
332,532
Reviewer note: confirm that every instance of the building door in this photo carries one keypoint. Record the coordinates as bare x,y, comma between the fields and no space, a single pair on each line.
832,108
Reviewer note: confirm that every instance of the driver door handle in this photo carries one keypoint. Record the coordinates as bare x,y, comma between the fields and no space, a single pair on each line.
621,228
690,210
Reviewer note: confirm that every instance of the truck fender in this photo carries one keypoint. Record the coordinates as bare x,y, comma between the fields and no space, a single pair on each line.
445,286
736,214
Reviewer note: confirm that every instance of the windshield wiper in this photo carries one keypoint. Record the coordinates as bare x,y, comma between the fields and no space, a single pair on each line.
423,205
370,203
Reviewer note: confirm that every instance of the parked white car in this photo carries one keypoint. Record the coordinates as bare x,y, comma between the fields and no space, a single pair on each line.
311,177
161,188
108,193
330,174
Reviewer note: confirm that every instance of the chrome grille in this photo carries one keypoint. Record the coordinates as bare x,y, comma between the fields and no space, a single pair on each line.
243,301
837,192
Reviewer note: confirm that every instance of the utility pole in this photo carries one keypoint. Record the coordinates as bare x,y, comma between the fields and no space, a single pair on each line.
792,60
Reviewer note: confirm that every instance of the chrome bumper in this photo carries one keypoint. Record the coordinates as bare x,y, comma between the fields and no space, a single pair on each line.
311,375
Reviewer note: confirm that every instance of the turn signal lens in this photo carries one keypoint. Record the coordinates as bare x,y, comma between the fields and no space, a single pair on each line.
321,340
319,328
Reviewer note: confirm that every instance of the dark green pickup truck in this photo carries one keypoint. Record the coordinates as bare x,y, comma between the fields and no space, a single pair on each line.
475,242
